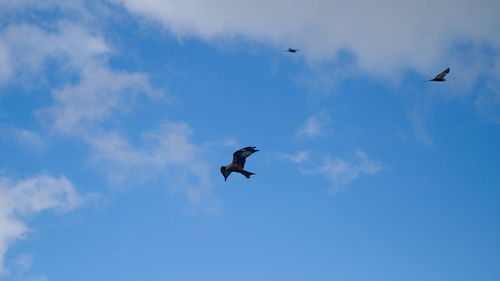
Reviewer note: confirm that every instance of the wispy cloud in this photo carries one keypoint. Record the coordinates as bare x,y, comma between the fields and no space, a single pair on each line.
19,198
298,157
91,100
86,108
24,137
225,141
25,49
342,171
418,113
23,262
167,147
314,126
20,266
79,108
421,134
489,105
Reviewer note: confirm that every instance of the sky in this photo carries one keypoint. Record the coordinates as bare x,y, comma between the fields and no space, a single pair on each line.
116,115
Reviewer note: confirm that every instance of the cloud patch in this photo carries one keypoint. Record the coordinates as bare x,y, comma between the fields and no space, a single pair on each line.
342,171
298,157
91,97
28,197
24,137
313,127
384,37
100,92
161,151
25,50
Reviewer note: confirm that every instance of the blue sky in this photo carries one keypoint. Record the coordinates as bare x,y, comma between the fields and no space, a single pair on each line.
115,117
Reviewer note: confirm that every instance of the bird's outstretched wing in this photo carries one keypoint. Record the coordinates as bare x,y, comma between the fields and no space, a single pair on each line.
442,74
240,155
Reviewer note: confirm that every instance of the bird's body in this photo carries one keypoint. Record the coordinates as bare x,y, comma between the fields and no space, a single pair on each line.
238,164
292,50
440,76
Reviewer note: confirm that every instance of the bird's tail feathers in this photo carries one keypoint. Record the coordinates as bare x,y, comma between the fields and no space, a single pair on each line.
247,174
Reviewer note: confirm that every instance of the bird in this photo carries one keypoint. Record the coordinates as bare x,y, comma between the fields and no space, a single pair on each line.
440,76
291,50
238,163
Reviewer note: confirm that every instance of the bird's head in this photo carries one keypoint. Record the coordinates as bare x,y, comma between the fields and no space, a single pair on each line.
224,172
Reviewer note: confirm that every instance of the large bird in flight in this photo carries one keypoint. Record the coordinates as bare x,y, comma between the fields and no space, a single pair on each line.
238,163
291,50
440,76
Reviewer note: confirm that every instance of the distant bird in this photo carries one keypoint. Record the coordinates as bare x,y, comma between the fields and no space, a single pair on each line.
440,76
291,50
238,163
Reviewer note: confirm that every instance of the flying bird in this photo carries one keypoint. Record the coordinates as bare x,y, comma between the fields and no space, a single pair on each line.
238,163
440,76
291,50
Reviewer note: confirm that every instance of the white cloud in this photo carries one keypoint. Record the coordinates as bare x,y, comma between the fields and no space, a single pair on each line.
224,141
314,126
421,134
351,39
99,93
298,157
418,114
85,109
340,172
29,137
10,6
5,67
166,148
25,49
21,198
90,105
23,262
384,36
489,105
23,137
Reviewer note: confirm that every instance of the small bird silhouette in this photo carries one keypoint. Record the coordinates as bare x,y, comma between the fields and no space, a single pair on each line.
238,163
440,76
291,50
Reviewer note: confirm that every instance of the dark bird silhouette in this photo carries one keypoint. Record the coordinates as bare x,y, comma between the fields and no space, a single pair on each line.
440,76
238,163
291,50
